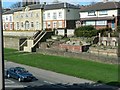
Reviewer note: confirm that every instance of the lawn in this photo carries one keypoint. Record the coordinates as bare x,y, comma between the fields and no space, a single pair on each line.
76,67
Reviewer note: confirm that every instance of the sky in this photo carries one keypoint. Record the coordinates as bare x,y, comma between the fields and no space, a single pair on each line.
8,3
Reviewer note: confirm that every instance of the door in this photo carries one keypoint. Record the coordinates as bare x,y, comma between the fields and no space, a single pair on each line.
113,24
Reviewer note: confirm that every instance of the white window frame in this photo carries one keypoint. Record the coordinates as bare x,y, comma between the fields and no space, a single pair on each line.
54,15
103,12
60,15
48,15
91,13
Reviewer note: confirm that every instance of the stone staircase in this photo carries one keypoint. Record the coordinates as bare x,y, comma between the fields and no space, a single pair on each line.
30,44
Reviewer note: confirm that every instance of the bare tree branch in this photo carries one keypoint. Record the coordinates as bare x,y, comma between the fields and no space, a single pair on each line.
16,5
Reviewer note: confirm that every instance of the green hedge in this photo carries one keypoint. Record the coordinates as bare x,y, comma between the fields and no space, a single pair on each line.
85,31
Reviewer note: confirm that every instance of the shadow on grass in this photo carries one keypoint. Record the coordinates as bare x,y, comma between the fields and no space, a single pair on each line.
75,86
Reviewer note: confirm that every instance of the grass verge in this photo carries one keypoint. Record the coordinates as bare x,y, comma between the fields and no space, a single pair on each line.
75,67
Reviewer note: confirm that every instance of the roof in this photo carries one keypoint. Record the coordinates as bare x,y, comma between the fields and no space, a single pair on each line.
60,5
35,6
98,18
32,7
102,6
12,11
46,7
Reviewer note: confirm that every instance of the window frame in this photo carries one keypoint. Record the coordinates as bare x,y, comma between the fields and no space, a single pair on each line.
91,13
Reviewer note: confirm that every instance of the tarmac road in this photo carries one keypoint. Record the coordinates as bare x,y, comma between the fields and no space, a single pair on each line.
50,79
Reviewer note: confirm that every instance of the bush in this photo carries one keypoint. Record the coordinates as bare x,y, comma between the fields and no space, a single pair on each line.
118,29
105,31
85,31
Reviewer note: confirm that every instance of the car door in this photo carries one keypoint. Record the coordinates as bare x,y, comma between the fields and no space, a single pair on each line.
11,72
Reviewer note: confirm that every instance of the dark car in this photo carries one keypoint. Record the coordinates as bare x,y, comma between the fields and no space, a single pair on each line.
19,73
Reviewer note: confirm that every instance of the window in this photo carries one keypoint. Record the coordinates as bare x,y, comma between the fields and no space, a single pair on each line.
21,24
60,14
101,22
37,25
55,24
17,16
21,15
6,25
48,15
54,15
37,14
6,18
17,25
91,13
43,16
90,22
10,18
11,26
26,15
26,25
31,14
44,25
104,12
48,24
32,25
60,24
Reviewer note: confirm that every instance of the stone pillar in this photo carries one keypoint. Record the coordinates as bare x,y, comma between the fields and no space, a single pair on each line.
99,39
108,40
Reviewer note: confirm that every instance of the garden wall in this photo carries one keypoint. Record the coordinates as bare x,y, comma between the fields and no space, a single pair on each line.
82,55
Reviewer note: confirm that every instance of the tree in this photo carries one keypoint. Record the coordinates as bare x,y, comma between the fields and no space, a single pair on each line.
92,3
16,5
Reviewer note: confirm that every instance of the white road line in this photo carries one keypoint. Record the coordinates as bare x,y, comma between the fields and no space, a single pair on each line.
15,86
48,82
7,81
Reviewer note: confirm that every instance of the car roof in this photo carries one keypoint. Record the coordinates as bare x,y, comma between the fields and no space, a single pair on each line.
17,68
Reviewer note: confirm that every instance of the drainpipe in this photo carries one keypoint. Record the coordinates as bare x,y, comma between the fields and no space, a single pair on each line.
2,85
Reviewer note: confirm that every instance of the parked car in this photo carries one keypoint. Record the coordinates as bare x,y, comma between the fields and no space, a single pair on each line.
19,73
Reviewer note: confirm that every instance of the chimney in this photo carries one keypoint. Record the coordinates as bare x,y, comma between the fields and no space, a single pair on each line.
104,1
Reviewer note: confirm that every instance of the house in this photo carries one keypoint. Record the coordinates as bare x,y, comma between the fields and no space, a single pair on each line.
8,23
101,15
28,18
60,17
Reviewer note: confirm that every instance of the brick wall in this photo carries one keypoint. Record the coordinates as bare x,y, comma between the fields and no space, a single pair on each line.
73,48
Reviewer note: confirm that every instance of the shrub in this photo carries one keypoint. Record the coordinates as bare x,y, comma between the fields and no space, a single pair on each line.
85,31
105,31
118,29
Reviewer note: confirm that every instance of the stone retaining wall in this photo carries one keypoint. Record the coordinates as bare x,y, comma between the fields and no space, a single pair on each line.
88,56
11,42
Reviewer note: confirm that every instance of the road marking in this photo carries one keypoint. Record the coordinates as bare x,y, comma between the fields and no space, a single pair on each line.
15,86
48,82
7,81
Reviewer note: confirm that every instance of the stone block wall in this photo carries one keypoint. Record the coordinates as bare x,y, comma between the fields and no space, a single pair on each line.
11,42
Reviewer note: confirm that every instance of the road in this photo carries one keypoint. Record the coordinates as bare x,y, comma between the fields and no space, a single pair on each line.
48,79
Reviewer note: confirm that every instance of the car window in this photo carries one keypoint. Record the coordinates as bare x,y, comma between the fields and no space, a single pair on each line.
12,70
21,70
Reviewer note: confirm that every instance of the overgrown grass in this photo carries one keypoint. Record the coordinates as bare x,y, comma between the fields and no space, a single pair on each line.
76,67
